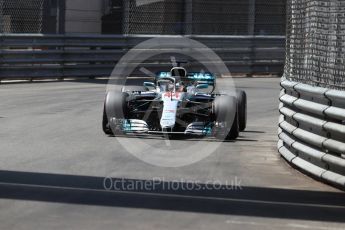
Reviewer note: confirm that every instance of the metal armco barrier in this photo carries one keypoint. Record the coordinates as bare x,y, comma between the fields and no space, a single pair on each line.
31,56
312,130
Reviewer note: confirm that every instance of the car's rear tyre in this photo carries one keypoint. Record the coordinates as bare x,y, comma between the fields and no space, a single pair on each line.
115,107
226,114
242,109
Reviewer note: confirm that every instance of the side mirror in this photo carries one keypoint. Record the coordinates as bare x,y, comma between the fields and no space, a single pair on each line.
149,84
202,86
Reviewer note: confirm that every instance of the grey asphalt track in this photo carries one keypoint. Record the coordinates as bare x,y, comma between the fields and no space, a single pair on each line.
54,158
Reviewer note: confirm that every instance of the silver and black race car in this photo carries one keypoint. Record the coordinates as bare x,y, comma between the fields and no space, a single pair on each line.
175,103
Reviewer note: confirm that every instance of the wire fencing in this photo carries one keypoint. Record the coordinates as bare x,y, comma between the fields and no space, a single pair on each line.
204,17
21,16
167,17
32,16
316,43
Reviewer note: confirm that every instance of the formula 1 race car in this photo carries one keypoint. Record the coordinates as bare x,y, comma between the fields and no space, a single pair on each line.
176,102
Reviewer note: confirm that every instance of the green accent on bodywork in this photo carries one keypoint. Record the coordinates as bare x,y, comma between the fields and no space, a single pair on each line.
207,131
126,126
192,76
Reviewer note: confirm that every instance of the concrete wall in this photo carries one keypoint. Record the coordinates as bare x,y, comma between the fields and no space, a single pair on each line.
84,16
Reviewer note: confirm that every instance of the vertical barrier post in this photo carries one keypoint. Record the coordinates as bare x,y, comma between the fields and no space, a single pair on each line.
126,16
2,30
251,17
62,17
188,17
1,50
251,32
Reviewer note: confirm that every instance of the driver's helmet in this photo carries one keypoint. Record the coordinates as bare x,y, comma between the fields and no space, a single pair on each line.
170,87
179,73
166,85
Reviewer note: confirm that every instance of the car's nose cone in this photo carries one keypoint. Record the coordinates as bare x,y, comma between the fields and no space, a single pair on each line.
168,119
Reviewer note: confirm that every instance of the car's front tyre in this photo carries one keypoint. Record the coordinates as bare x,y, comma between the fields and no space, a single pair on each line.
115,107
235,129
105,123
226,117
